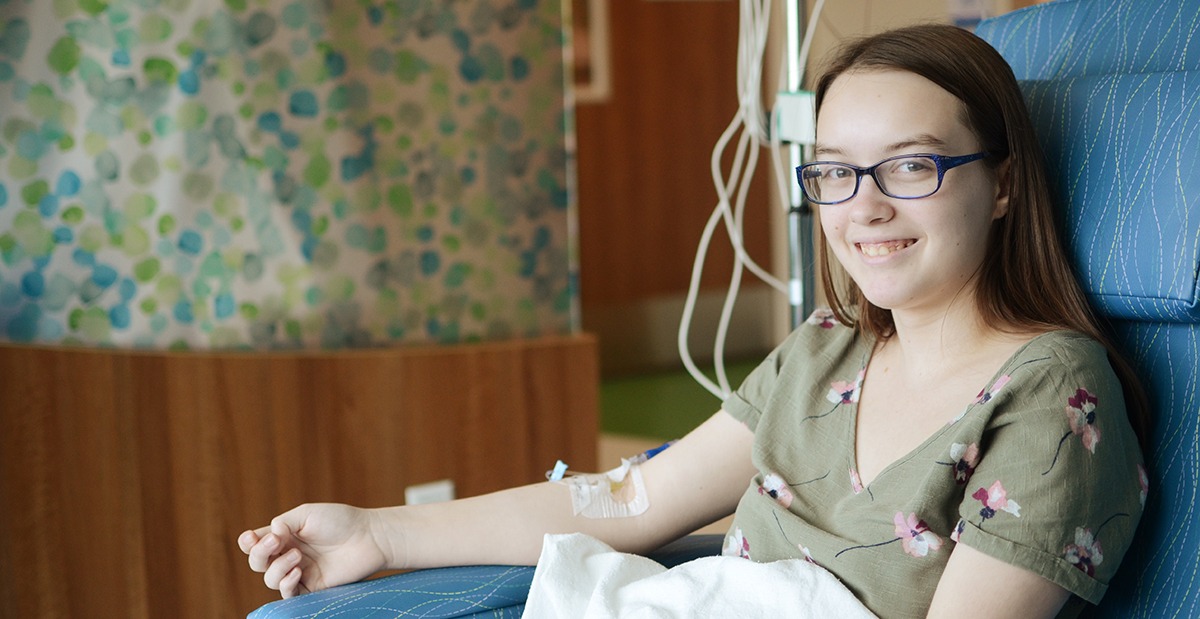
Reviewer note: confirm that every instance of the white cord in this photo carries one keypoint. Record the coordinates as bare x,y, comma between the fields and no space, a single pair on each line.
690,305
752,41
752,120
808,36
698,264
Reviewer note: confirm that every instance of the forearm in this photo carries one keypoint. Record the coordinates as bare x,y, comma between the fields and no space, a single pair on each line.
696,481
504,528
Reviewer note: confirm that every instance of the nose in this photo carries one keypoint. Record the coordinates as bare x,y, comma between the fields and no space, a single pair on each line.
870,206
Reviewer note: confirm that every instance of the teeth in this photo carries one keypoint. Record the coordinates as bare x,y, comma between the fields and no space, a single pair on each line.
882,249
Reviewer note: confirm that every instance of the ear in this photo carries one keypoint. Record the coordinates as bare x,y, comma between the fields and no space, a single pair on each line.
1003,176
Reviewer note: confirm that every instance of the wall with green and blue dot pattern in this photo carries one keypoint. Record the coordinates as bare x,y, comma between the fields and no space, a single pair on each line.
267,174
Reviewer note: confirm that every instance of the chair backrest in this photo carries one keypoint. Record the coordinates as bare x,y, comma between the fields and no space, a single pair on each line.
1114,90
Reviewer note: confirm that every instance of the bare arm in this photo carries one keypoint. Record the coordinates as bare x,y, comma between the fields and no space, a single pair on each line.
695,482
978,584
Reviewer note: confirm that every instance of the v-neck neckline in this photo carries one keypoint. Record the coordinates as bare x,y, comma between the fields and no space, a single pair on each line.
853,417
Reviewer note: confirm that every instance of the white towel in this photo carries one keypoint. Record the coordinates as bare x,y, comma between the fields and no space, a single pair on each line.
580,577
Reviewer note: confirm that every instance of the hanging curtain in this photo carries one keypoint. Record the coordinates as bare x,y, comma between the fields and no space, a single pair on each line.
283,173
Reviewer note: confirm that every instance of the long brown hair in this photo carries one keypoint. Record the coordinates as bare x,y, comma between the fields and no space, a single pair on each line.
1026,282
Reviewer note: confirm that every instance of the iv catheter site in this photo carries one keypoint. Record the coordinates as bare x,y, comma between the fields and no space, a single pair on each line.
750,126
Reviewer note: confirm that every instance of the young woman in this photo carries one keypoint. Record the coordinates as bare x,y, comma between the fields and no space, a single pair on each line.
951,438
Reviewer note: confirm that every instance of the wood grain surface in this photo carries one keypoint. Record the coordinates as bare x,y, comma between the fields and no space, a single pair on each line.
645,186
125,477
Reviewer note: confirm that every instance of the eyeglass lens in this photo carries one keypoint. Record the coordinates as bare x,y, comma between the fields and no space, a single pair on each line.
902,177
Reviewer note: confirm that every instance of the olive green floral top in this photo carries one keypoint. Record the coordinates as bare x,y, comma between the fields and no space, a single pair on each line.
1042,471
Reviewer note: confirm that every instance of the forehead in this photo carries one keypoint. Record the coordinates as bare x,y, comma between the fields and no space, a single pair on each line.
878,113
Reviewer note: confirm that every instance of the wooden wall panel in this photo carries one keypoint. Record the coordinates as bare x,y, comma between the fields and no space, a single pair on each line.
126,476
645,190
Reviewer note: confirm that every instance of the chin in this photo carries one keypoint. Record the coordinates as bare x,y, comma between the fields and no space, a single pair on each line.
887,300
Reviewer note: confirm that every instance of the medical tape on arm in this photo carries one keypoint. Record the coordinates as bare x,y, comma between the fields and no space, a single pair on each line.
619,493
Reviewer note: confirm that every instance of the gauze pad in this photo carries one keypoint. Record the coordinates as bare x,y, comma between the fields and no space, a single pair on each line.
619,493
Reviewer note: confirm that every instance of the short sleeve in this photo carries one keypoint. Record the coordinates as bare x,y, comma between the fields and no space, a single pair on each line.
746,404
1058,489
818,345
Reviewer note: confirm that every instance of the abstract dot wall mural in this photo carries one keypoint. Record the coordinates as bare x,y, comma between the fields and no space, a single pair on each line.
265,174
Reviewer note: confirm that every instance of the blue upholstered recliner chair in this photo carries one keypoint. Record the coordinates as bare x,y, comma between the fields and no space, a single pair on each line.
1114,89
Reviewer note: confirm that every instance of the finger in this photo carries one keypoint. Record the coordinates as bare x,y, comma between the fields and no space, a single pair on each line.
290,585
247,540
262,552
291,520
282,529
280,568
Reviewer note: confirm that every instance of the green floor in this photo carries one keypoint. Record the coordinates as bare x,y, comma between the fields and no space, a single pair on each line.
662,406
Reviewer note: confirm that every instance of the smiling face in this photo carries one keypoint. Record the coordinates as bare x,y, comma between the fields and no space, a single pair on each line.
906,255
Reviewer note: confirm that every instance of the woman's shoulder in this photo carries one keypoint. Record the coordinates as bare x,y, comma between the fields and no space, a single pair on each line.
1057,370
821,335
1065,351
817,347
823,328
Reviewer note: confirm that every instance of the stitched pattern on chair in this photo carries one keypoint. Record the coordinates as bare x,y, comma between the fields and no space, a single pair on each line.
447,593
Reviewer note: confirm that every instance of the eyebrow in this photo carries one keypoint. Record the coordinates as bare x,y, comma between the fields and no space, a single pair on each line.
924,139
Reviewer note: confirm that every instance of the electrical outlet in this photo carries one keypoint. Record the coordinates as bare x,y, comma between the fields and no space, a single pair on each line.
432,492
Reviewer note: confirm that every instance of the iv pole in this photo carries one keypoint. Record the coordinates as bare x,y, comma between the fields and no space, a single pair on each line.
801,287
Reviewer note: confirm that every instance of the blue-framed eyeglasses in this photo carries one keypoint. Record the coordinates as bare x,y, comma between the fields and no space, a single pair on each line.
907,177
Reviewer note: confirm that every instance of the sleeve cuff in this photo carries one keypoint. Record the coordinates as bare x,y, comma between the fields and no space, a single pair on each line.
1055,569
741,410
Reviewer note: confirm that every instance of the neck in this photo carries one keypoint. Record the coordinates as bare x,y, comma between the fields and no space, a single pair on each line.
951,341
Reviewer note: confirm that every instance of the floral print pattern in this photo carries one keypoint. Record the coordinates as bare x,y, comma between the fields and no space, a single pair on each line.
736,545
985,395
807,555
1085,553
1144,482
823,318
855,482
1081,413
844,392
928,500
988,394
996,499
912,533
956,534
964,459
774,487
918,540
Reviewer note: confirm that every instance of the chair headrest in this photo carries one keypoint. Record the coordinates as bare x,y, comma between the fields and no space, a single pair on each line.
1121,151
1076,38
1118,117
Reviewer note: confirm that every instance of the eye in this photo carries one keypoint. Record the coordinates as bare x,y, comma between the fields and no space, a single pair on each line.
912,167
826,173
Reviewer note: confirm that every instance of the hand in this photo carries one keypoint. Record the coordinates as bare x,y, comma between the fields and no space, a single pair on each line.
314,547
